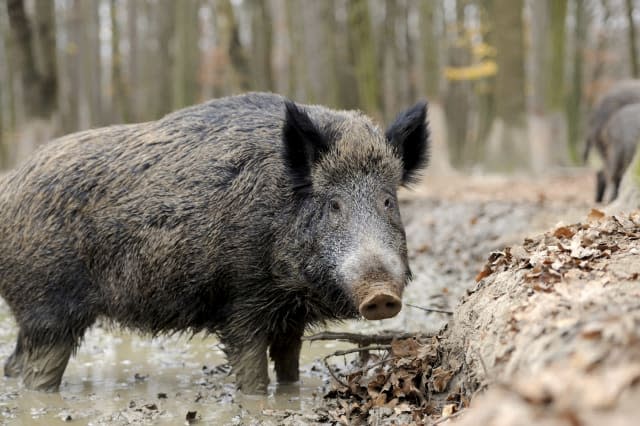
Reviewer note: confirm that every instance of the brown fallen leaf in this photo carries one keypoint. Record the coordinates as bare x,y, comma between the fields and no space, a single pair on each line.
563,232
484,273
440,379
405,347
448,410
595,215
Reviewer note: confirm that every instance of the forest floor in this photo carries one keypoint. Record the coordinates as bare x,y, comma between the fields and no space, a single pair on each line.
453,223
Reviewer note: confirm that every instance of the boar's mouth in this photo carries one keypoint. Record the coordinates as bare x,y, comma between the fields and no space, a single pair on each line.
379,300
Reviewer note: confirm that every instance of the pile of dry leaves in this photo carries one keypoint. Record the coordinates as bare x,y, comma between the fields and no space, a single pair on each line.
566,248
409,382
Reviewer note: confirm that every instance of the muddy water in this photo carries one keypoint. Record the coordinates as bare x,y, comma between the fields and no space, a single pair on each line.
118,377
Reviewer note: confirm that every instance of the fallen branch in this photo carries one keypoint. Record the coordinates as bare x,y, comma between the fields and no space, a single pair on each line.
365,349
440,311
361,339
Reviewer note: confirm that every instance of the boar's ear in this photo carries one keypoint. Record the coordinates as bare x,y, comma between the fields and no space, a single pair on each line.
409,135
304,143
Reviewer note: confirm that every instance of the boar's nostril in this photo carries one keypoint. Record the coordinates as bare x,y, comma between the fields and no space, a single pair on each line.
380,306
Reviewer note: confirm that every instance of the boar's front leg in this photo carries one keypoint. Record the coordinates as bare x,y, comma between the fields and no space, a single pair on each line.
41,364
285,352
248,361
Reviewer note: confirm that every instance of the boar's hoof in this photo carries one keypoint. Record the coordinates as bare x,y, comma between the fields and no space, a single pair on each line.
380,306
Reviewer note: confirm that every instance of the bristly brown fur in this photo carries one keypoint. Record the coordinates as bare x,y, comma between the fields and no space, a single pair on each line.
195,222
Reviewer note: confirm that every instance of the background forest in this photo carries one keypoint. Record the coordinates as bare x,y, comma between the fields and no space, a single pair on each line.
510,82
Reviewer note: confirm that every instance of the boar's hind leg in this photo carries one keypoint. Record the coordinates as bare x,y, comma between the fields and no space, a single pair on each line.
601,183
13,365
285,352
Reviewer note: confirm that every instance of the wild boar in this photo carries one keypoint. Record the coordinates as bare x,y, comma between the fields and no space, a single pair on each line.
251,217
619,95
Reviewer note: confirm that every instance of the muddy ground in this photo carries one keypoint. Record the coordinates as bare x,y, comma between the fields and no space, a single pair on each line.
452,223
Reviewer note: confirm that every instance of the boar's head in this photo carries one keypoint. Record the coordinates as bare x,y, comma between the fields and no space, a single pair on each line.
345,174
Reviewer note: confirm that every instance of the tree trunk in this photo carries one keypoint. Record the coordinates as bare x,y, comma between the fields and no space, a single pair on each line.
430,50
39,86
187,54
261,45
164,28
508,143
90,62
120,93
362,50
236,77
345,66
429,83
458,97
633,50
46,45
574,110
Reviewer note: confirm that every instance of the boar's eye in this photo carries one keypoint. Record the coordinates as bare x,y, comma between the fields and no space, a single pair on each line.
335,206
388,203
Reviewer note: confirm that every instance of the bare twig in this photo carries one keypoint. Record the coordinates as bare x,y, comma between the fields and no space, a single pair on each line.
360,339
441,311
362,349
444,419
350,351
376,364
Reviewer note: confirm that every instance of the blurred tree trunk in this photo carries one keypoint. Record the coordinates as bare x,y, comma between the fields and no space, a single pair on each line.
485,88
574,110
298,82
91,64
429,81
633,50
164,32
46,47
236,77
395,60
120,93
319,53
281,47
311,51
508,143
39,86
345,73
457,99
602,46
7,111
261,45
187,53
362,50
133,81
80,62
547,124
327,17
430,50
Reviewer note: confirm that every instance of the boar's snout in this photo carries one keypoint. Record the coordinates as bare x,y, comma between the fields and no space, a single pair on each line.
380,306
379,300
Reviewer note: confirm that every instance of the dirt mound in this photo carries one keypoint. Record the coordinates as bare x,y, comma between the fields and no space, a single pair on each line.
550,330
